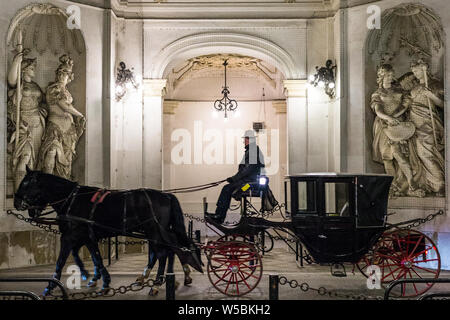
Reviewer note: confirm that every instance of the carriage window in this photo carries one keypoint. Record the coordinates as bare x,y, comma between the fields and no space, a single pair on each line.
337,199
306,196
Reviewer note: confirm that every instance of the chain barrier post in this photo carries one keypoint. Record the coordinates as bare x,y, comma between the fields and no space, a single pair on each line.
198,237
170,286
117,248
273,286
190,229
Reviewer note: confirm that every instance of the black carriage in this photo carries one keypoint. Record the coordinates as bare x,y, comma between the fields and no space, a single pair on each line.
340,218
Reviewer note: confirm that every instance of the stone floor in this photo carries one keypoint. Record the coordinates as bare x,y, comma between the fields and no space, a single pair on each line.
279,261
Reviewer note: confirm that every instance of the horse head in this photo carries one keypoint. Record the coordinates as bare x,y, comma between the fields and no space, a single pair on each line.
30,195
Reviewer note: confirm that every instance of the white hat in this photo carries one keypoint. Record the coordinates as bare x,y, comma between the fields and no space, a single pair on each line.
249,134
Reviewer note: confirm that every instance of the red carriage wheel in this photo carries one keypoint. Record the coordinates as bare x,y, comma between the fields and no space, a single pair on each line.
234,267
404,254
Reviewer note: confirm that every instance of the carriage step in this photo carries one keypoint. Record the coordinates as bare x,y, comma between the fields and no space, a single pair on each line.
338,270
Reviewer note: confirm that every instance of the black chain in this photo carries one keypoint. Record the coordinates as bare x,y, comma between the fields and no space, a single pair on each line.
33,222
428,218
107,292
126,242
322,291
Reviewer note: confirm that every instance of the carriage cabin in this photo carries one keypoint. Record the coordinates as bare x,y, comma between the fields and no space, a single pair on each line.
337,216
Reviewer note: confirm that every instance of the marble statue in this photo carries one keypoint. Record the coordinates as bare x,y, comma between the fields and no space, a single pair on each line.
65,124
392,133
427,96
411,146
26,116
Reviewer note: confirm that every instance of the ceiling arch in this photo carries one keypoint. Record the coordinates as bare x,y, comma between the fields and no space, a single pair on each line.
225,43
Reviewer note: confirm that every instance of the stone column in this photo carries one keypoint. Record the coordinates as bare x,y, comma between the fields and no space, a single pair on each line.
297,126
154,90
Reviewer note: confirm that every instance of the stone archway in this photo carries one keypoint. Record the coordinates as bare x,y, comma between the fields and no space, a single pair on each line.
228,43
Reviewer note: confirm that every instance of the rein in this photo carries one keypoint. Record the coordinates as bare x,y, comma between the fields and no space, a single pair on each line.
195,188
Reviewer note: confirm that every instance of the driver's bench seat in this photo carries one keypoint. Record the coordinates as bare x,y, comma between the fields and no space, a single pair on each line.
251,190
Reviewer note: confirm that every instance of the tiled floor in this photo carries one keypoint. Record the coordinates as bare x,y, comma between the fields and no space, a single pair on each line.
278,261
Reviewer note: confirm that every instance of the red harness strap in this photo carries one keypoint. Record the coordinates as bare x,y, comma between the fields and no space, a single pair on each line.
99,196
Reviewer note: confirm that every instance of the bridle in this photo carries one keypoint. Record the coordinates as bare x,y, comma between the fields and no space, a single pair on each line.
41,208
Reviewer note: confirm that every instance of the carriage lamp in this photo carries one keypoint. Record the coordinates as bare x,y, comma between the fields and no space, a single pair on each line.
262,181
225,104
324,78
125,80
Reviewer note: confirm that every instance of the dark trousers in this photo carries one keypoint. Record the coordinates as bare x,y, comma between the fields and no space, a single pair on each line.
223,203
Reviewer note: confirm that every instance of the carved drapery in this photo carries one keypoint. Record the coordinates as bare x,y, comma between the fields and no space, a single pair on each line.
45,116
404,68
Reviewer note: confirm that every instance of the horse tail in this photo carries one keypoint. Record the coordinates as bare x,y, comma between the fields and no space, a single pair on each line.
192,258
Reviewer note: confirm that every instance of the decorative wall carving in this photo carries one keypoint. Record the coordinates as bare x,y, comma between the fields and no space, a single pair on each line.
246,66
404,58
43,126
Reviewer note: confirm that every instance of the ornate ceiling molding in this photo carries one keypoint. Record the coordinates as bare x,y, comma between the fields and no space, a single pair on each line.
211,43
217,9
211,64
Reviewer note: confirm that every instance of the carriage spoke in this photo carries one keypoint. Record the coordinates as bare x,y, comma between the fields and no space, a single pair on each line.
426,269
390,274
415,247
243,279
414,285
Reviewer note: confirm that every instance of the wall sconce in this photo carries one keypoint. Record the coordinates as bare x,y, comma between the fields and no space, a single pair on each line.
324,78
125,80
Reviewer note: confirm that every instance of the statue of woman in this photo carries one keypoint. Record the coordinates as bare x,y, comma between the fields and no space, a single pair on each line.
391,133
32,117
426,95
62,131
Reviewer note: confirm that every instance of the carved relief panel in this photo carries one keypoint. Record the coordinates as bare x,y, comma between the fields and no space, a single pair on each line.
46,95
405,101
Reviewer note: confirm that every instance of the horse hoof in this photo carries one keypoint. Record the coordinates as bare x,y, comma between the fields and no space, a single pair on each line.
140,279
105,288
92,283
84,275
187,281
158,282
47,292
153,292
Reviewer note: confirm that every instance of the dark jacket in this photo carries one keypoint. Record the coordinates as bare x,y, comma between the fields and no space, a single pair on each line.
251,164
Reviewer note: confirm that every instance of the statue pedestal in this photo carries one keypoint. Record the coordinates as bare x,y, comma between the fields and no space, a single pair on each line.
417,203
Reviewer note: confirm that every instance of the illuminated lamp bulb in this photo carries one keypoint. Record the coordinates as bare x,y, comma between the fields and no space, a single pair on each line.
331,85
311,78
321,84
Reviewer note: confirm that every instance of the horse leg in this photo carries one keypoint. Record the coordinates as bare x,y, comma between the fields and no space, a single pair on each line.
98,261
150,264
97,274
79,262
187,277
162,259
62,258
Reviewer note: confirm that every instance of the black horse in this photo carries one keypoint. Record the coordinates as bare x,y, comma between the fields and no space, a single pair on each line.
145,213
